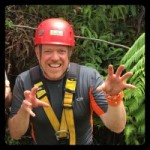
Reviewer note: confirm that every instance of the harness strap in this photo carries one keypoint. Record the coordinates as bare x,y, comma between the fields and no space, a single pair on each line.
48,110
68,109
67,119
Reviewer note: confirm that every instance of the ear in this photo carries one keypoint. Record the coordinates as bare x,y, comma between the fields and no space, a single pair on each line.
36,49
70,52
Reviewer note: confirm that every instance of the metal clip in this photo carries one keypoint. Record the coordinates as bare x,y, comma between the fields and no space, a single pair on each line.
62,140
62,131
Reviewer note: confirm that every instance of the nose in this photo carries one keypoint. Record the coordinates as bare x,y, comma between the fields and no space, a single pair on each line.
55,56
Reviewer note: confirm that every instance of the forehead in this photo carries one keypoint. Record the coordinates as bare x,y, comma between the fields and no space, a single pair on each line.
53,46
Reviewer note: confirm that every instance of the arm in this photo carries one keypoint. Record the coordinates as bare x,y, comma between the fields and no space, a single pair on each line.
8,94
115,117
19,123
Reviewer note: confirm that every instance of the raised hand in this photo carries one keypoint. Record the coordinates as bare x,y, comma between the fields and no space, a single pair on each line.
7,88
115,83
31,101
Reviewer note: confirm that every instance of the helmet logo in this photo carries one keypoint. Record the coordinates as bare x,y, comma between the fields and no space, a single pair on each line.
41,32
56,32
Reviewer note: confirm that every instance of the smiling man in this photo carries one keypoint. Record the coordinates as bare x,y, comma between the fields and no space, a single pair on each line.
57,98
53,60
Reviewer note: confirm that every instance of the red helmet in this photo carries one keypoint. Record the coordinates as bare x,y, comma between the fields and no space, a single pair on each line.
54,31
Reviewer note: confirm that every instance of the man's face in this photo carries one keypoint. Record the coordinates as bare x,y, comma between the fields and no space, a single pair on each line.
54,60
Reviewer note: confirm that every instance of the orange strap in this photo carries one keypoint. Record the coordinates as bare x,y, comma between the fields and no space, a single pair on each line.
114,100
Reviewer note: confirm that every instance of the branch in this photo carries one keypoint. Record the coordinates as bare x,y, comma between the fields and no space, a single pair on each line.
21,26
119,45
81,37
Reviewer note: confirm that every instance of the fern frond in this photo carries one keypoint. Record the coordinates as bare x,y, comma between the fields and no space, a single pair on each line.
141,86
139,53
139,114
137,74
141,127
140,64
131,63
134,61
127,94
136,46
129,119
132,106
136,93
129,131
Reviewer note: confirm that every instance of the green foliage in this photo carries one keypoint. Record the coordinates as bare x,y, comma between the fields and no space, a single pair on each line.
9,140
113,23
134,61
8,23
107,22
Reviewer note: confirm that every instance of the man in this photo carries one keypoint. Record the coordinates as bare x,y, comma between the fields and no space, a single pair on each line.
54,42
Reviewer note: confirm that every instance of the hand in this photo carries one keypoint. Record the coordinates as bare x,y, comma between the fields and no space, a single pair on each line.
115,83
7,89
31,101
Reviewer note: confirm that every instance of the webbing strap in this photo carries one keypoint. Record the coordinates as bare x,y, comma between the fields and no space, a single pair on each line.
68,97
63,126
67,119
48,110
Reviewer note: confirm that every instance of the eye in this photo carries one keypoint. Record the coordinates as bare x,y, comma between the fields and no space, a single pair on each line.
47,51
62,51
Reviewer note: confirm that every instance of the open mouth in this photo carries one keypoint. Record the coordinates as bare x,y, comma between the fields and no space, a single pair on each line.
54,65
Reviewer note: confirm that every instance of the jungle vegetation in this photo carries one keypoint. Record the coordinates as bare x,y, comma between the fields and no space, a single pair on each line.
105,34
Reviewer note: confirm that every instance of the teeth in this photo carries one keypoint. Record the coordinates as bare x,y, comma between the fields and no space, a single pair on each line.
54,65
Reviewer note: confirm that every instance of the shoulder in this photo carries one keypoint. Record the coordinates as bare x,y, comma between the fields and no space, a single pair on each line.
90,76
89,71
26,73
24,78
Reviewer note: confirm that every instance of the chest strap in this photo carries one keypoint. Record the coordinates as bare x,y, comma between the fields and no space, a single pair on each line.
65,129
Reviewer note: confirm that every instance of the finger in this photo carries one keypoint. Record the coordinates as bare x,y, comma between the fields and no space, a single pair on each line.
44,104
33,91
30,112
126,75
33,96
27,95
110,70
130,86
101,88
119,70
28,107
7,83
7,92
27,103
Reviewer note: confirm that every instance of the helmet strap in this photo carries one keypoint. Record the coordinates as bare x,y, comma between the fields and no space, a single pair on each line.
40,50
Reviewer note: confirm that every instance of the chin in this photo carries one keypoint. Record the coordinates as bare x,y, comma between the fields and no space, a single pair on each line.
55,77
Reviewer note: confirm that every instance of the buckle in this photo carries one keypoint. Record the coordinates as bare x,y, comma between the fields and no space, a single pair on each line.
70,91
72,78
61,131
62,140
67,106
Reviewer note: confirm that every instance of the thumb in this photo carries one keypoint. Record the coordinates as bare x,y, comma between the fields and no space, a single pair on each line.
44,104
101,88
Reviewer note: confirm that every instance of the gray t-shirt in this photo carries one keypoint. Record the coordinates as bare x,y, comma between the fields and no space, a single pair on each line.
86,100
